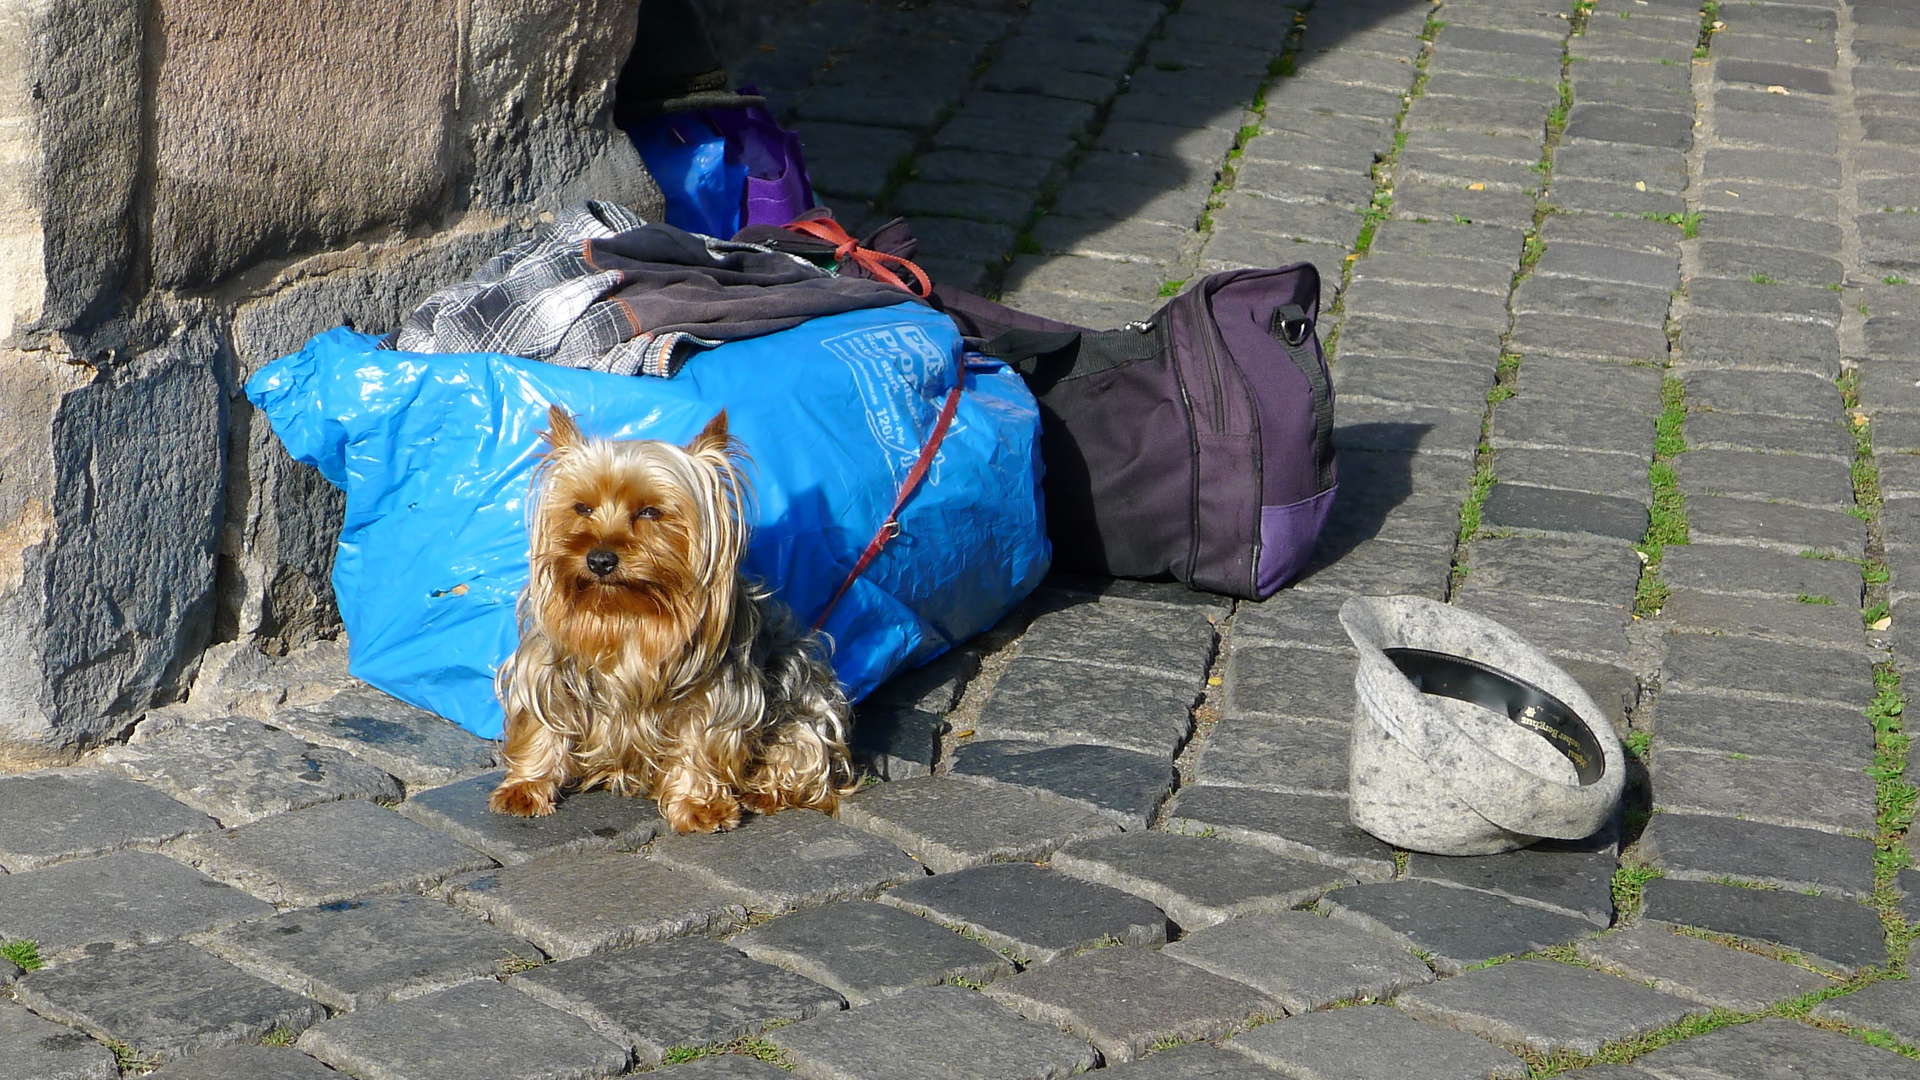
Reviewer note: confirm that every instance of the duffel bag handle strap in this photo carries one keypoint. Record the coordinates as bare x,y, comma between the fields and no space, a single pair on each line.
1023,350
876,263
1292,327
890,528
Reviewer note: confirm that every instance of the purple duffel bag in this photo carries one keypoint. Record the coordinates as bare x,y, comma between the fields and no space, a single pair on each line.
1196,444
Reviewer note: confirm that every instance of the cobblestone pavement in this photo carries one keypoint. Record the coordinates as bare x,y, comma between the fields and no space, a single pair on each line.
1623,337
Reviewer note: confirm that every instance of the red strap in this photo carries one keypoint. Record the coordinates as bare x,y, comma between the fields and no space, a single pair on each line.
875,262
891,527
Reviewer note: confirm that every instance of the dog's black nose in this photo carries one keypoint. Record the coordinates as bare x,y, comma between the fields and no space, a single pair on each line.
602,561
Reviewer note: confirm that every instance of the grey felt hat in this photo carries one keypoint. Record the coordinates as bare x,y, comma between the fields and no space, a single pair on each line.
1466,739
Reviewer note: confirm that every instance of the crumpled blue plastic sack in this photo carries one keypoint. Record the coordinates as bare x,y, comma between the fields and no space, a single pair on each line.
434,453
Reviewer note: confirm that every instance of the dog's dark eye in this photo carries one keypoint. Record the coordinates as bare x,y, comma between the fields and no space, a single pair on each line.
583,509
648,513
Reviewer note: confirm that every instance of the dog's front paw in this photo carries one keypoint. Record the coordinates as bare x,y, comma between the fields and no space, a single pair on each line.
525,798
701,815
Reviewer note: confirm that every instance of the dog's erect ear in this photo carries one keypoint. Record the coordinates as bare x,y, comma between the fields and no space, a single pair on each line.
713,437
561,430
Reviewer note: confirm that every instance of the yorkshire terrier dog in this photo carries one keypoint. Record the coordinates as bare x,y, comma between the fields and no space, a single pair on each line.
647,663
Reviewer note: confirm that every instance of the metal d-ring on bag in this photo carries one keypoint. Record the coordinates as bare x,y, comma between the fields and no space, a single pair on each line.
1467,740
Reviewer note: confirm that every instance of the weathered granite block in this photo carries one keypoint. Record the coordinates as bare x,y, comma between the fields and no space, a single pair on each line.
1789,529
1621,475
1572,878
1563,570
1052,701
790,859
584,821
1032,914
1837,934
412,744
1794,794
39,1049
130,898
53,815
949,825
1573,513
1745,572
1311,827
1302,960
330,852
1304,757
1829,735
1373,1041
1776,1044
1891,1006
678,993
1456,928
1125,999
1815,482
1700,970
353,954
870,951
480,1029
163,1001
574,904
1703,662
1124,786
244,1061
1309,684
932,1033
1695,848
1198,881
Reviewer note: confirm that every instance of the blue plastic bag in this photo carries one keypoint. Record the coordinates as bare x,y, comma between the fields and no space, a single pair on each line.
688,158
435,452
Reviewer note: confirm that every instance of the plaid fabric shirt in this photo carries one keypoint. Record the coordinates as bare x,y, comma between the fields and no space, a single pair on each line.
542,300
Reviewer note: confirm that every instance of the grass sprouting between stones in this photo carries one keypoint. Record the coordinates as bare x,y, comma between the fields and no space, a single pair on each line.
1667,518
1629,888
1282,67
752,1046
24,952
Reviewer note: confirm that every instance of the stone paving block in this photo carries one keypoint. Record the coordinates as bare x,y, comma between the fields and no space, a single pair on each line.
867,102
1193,1062
163,1001
1829,735
894,742
870,951
1625,83
1056,702
935,686
1072,275
1745,572
1379,568
1301,184
239,770
412,744
1128,591
1291,618
1206,146
1789,303
1461,205
1890,339
1698,662
1268,681
1810,170
1700,970
585,821
1131,239
1790,529
1594,631
584,902
1031,914
1422,474
1770,434
931,1033
353,954
1614,689
1122,785
1638,127
1454,928
1569,877
959,273
1125,999
1805,134
1899,475
129,898
949,825
1574,335
1780,793
1198,881
955,238
36,1049
1888,243
1438,303
1779,394
1897,433
1623,476
1299,221
1571,513
1890,386
1429,167
989,203
1405,429
1027,123
1786,478
1741,261
1832,933
1311,827
1653,237
1595,299
1748,198
1302,960
1318,97
1593,262
689,992
1659,170
1582,382
1486,243
790,860
244,1061
1565,570
54,815
1373,1041
1231,250
1692,848
1546,1007
1892,1006
480,1029
1176,645
1490,277
1818,623
1780,1047
1365,334
1807,241
1304,757
1461,387
329,852
1597,197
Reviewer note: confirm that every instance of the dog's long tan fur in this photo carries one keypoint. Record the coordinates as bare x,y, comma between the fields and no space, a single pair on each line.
647,663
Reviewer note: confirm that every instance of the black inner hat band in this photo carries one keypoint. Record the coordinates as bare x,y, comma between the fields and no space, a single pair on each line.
1449,676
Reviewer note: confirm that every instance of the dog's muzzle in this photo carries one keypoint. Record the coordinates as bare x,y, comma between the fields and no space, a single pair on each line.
602,561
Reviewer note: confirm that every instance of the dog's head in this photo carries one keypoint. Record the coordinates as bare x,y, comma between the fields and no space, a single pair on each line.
636,545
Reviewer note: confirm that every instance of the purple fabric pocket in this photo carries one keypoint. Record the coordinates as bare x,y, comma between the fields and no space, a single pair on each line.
1287,536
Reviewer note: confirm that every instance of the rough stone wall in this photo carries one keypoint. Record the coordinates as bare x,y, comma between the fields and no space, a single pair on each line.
189,189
